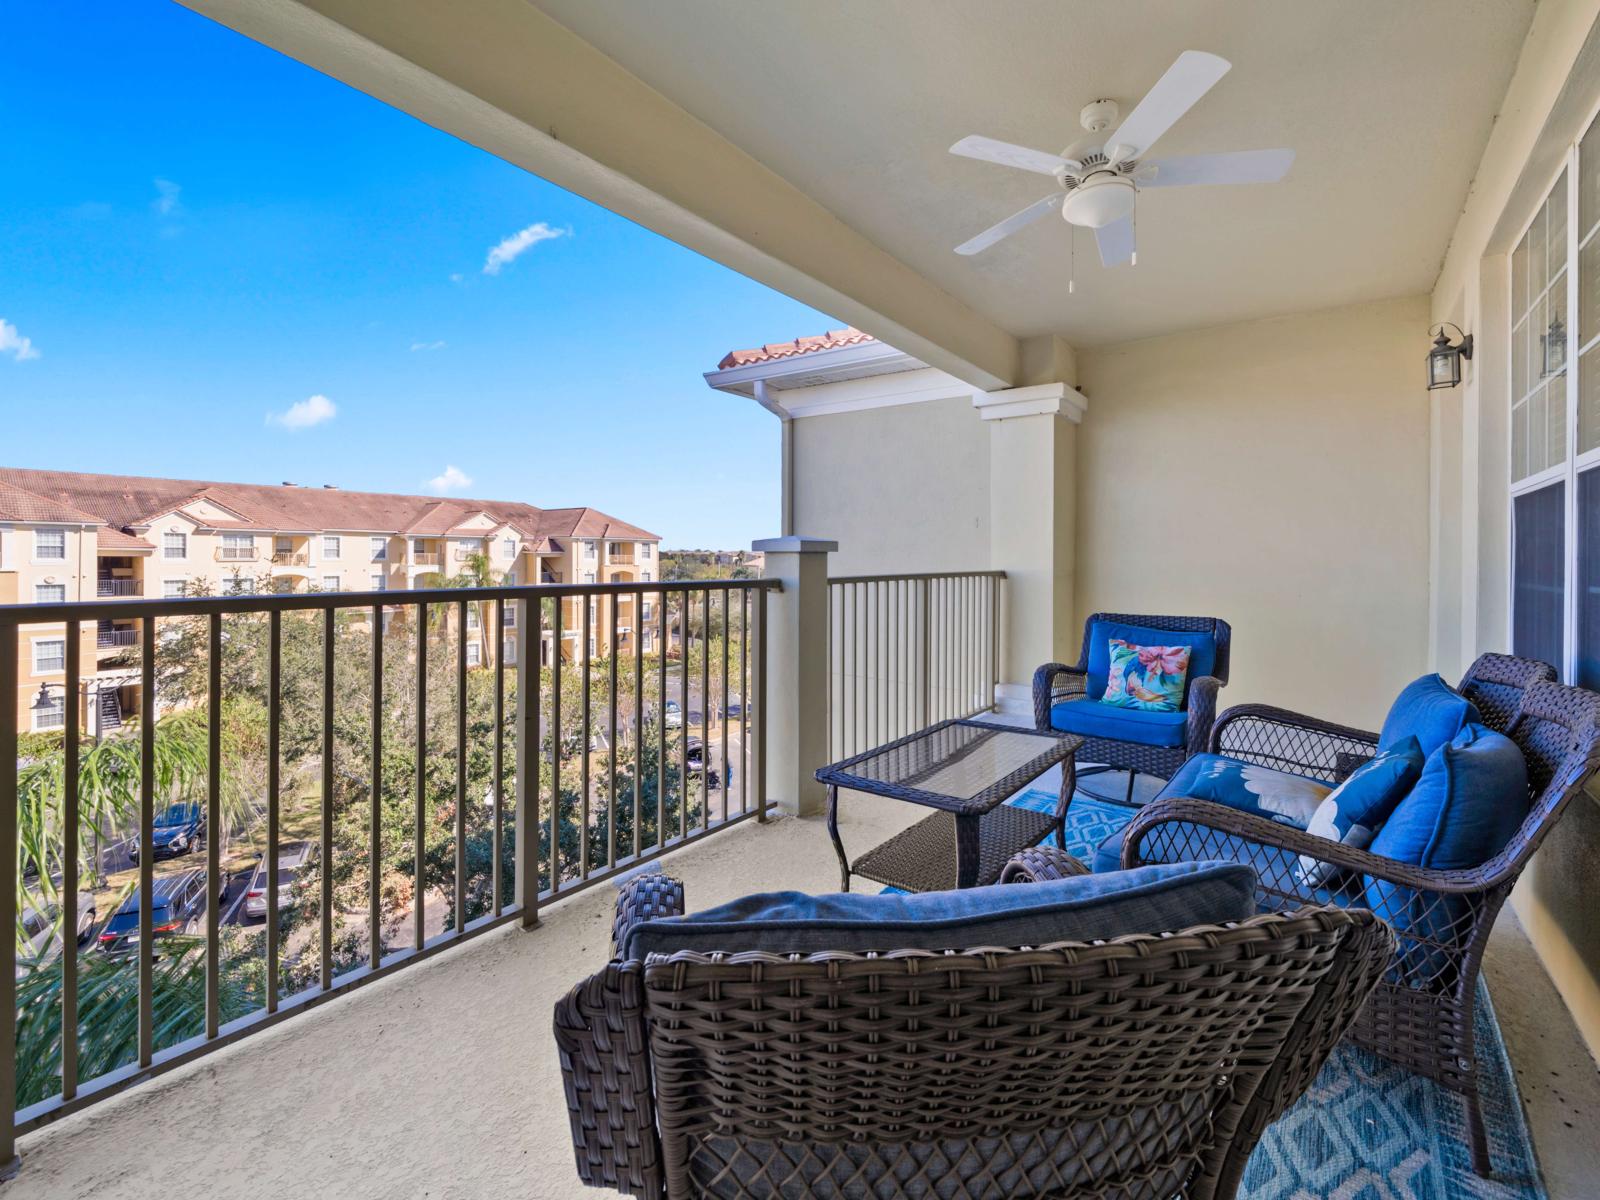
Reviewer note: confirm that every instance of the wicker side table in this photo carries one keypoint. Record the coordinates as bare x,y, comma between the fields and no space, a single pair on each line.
964,770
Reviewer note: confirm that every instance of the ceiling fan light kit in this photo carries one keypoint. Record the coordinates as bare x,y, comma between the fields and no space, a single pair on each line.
1102,174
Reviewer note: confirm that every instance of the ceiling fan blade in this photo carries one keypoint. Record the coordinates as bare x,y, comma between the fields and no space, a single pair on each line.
1010,225
1241,166
1116,242
1193,75
1007,155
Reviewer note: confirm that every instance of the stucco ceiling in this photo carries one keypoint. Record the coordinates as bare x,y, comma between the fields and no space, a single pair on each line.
1387,104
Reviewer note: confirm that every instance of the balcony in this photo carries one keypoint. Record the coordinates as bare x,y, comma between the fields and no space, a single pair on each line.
425,558
291,558
110,588
236,554
116,639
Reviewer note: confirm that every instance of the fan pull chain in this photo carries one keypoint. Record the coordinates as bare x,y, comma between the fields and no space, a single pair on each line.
1133,258
1072,257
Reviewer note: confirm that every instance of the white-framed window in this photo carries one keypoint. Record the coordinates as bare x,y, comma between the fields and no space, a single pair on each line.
173,589
49,545
475,654
1555,423
644,576
511,649
330,583
644,611
283,545
331,546
419,545
380,582
472,616
647,639
49,593
588,576
591,648
54,715
508,615
175,544
644,550
616,548
49,654
508,547
380,549
238,585
238,546
589,547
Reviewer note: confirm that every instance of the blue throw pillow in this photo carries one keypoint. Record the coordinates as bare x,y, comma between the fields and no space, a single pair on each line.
1472,796
1152,899
1202,651
1428,709
1280,795
1355,809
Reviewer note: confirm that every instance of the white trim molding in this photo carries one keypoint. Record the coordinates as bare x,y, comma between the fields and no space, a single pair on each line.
1042,399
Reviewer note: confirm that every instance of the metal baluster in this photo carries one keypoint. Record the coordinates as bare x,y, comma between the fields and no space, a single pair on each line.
705,709
327,799
555,751
744,700
661,729
495,881
611,756
638,718
727,633
683,713
861,677
10,818
274,747
461,767
69,858
419,830
215,883
530,649
147,854
583,748
926,587
375,816
759,766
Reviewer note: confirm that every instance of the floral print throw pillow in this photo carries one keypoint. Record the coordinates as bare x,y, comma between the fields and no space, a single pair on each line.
1146,677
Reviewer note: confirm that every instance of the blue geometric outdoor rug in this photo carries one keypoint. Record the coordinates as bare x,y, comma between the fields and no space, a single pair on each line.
1367,1130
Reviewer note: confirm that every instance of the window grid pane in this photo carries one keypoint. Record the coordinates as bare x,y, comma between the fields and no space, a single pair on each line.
1588,631
1538,570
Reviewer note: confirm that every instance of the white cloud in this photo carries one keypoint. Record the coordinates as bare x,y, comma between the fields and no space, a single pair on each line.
166,202
415,346
510,248
451,479
14,344
303,414
456,277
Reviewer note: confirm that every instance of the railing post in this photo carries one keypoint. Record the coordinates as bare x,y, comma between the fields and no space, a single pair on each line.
9,816
526,847
796,672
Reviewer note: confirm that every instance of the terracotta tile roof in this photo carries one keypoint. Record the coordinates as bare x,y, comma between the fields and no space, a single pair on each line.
127,501
834,339
115,539
21,504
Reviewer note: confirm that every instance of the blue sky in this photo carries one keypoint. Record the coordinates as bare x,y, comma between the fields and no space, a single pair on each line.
200,237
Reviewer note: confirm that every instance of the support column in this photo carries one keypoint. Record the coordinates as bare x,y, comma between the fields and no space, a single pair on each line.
796,720
1032,482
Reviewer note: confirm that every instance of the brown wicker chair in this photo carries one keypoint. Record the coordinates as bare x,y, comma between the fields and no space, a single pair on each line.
1054,683
1421,1016
1145,1067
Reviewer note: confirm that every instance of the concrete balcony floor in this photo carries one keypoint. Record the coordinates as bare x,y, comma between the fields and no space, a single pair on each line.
442,1080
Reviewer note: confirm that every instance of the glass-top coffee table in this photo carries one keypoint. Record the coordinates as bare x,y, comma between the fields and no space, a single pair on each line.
965,769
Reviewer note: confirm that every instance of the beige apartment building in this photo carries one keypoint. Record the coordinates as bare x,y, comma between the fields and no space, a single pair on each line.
69,536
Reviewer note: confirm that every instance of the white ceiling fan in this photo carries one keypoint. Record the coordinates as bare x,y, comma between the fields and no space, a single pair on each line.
1102,174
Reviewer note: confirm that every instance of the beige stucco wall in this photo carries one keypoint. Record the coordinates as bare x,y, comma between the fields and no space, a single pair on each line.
1555,89
901,489
1275,474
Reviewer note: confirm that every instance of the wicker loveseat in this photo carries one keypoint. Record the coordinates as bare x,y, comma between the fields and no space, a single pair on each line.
1066,698
1421,1016
1140,1067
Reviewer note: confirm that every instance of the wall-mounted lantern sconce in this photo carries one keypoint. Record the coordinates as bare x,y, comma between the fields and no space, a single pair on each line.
1444,360
1553,348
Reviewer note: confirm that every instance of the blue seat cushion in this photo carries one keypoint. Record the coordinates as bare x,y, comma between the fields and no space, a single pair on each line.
1428,709
1280,795
1084,908
1091,718
1202,651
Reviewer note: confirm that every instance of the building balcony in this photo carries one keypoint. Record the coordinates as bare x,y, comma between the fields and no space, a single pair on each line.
236,554
291,558
116,639
110,588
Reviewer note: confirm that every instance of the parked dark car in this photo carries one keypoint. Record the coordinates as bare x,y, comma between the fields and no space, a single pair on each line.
734,709
178,829
176,902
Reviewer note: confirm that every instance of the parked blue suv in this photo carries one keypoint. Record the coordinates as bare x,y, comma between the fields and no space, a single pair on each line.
178,828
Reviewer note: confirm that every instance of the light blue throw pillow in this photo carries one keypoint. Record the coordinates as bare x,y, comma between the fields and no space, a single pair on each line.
1354,811
1428,709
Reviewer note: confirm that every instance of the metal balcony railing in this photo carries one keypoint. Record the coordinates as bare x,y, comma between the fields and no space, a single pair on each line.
425,558
116,587
290,558
375,667
236,554
110,639
909,650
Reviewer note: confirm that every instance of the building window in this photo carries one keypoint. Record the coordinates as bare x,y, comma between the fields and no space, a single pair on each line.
330,583
508,547
588,576
237,586
49,654
508,615
174,544
644,576
589,548
475,654
173,589
52,717
511,649
615,548
50,545
238,546
644,549
380,549
49,593
283,545
330,547
380,582
472,616
644,611
591,647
